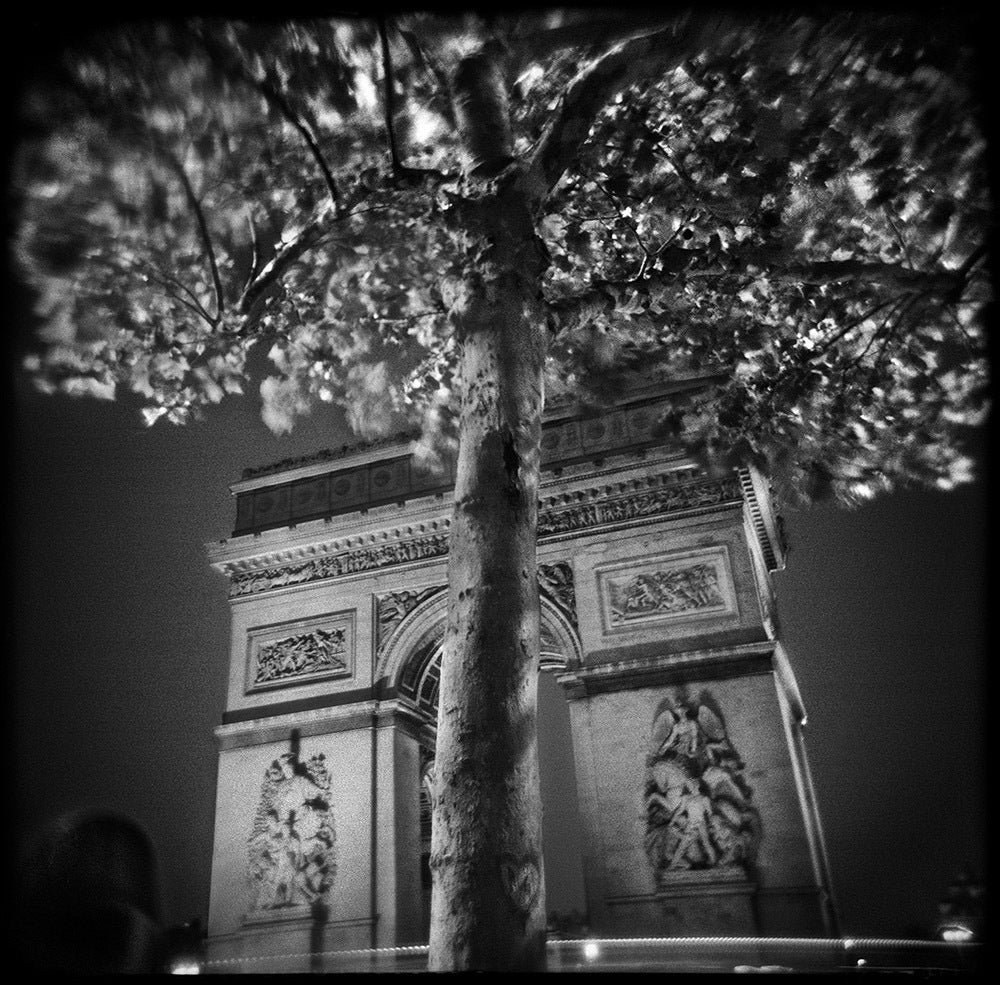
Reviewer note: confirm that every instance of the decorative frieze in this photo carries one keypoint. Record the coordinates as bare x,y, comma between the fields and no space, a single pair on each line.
291,844
332,566
666,587
300,652
558,515
666,498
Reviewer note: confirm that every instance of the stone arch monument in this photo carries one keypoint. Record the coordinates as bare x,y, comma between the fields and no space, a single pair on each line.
657,618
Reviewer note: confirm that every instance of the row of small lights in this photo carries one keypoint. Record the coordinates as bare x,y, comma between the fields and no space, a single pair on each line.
591,949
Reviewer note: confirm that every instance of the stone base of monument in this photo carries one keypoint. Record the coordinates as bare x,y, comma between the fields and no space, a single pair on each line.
707,903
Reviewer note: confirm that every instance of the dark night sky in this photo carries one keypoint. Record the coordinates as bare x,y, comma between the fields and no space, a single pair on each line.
122,645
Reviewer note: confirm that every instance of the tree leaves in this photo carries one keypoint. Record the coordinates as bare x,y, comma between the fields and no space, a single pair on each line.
796,211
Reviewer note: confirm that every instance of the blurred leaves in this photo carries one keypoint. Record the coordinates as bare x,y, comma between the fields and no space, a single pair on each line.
803,216
798,213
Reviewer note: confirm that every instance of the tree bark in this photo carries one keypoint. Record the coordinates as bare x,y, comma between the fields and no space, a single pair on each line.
487,903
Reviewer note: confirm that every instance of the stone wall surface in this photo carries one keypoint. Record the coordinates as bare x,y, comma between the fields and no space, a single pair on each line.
718,543
242,773
612,732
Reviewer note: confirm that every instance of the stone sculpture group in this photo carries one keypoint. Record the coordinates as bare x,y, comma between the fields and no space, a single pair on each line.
699,810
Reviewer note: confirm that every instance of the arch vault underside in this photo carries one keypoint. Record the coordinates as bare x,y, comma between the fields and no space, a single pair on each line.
411,661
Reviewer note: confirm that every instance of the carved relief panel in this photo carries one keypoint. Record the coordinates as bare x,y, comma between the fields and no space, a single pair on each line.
555,580
683,585
299,652
391,608
291,845
699,807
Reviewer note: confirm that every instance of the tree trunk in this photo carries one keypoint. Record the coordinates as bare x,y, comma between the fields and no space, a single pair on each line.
488,904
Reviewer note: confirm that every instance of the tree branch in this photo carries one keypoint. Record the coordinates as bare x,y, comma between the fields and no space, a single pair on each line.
727,209
777,266
399,169
397,164
232,66
595,86
534,41
292,251
276,267
423,59
898,306
194,305
962,273
255,247
608,293
836,336
206,238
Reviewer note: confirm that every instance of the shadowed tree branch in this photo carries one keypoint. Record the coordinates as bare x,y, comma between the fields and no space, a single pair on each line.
612,73
233,67
399,169
192,199
531,39
387,103
168,282
837,271
276,267
609,293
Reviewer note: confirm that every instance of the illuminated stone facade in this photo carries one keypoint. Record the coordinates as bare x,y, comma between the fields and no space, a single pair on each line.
657,619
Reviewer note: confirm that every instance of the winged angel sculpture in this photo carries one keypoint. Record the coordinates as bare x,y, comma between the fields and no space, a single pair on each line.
699,813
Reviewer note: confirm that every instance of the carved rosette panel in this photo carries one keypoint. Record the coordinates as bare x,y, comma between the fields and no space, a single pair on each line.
556,580
699,807
667,587
299,652
290,850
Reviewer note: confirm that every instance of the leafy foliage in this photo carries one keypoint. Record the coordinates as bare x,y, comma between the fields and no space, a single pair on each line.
796,212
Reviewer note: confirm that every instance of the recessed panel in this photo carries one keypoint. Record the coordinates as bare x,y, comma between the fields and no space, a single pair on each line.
300,652
606,433
666,588
348,489
310,497
270,506
389,479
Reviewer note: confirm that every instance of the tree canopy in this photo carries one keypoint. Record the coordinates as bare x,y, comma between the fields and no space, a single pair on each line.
796,208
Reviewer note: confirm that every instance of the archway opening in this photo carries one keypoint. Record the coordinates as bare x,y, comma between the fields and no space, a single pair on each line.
562,834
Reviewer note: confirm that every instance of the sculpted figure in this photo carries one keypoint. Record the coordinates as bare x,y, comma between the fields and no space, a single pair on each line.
692,816
699,810
685,738
291,844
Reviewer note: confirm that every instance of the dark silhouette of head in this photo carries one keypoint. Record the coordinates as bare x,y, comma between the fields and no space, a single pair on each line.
89,899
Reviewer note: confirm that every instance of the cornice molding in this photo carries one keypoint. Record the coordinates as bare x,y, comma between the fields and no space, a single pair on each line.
609,506
644,671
